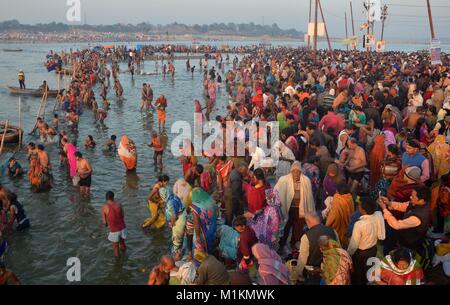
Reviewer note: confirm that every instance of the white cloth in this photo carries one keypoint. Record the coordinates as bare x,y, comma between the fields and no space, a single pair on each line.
124,152
115,236
187,273
340,144
258,157
282,167
366,232
328,203
285,188
182,189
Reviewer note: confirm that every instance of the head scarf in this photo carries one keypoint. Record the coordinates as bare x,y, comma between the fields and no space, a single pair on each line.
296,165
440,152
270,264
333,258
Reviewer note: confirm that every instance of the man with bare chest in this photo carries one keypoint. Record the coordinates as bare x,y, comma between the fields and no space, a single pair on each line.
355,164
84,171
160,274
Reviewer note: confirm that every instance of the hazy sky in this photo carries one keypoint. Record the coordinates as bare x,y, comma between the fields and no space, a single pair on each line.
408,18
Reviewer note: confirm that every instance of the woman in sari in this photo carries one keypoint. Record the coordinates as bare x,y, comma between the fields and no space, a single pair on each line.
376,157
340,212
285,158
204,212
331,180
223,171
292,144
271,270
336,263
127,153
175,217
440,151
71,150
400,268
389,167
267,224
156,205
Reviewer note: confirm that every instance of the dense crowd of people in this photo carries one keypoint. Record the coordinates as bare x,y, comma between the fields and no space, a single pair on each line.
362,173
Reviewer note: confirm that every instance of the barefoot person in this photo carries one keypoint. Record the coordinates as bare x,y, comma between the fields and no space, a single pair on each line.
84,171
158,151
113,218
161,104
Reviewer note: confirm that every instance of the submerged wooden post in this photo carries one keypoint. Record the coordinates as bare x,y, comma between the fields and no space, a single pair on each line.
20,122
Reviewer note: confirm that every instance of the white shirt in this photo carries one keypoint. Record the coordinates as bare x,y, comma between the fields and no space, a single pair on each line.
366,232
258,157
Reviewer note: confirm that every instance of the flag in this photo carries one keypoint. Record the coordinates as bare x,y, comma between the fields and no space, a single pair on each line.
380,46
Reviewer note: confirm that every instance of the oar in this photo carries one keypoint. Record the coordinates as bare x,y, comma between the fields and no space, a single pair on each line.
4,135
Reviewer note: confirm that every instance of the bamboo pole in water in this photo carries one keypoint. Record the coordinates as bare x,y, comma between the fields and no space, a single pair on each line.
4,135
59,90
44,96
20,122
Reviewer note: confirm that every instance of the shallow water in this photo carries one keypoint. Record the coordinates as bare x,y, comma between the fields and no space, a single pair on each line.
64,226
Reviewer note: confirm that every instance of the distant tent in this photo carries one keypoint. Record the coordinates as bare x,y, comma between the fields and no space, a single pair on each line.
139,47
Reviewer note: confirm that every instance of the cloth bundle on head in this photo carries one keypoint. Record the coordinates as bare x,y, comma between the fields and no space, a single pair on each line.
413,172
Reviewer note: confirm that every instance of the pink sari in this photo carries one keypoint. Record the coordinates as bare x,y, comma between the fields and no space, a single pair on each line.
71,150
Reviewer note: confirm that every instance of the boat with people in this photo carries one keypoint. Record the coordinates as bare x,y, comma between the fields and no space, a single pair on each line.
12,133
31,92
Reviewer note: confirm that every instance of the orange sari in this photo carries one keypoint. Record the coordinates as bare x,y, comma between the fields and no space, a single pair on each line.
376,158
339,216
127,153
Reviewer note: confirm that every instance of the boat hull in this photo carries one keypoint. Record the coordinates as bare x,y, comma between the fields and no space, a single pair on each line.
12,134
31,92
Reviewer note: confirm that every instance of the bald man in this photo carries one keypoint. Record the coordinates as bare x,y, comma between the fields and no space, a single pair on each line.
160,274
310,256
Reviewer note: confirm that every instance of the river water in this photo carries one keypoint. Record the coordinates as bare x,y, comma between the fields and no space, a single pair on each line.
62,224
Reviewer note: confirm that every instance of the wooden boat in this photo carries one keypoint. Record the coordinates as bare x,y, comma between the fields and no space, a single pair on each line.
12,50
12,134
31,92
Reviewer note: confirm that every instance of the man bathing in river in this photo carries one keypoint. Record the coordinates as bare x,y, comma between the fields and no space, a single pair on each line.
160,274
84,171
113,218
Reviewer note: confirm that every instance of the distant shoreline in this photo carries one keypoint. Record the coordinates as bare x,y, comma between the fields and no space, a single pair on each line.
59,39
